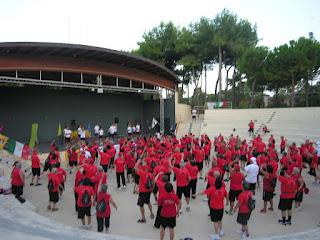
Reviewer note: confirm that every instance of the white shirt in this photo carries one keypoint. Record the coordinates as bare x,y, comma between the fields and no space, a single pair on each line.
83,134
134,129
101,132
137,128
96,129
79,130
112,129
87,154
194,112
252,171
129,129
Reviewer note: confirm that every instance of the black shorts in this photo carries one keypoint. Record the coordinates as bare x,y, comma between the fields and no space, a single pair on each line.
285,204
234,194
144,198
251,130
36,172
17,190
252,186
216,215
73,163
129,170
136,178
84,211
54,197
167,222
299,197
67,140
194,117
267,196
185,190
312,172
200,166
243,218
243,158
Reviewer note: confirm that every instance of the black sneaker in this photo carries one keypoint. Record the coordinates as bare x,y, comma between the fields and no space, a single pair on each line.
288,222
282,222
38,184
31,184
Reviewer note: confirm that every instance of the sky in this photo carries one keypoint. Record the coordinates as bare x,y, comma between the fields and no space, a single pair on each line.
120,24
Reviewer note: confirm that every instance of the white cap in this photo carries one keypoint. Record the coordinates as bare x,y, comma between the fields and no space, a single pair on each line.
253,160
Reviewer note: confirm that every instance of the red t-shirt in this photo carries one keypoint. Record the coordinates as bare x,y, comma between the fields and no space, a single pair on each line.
106,198
15,177
193,170
267,182
177,156
81,190
78,178
55,180
130,161
216,197
143,180
236,180
120,163
169,202
104,158
35,161
62,174
288,187
243,201
182,175
73,157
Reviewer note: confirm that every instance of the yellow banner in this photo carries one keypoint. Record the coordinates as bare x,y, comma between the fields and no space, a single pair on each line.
34,135
3,140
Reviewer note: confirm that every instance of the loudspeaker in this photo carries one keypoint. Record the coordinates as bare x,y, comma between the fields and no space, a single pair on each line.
116,120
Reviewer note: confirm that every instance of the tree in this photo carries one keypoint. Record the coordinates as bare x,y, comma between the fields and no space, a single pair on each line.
160,44
231,36
253,65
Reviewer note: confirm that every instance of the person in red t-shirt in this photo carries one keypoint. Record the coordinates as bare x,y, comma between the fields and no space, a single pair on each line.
244,211
103,210
170,206
130,162
288,192
183,179
314,167
85,200
269,184
105,159
300,187
251,127
17,180
35,166
53,187
62,176
160,180
120,165
145,188
73,159
194,171
236,180
217,194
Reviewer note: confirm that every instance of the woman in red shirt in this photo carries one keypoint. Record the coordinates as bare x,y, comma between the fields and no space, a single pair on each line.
35,166
103,208
237,179
269,184
217,194
170,206
17,180
120,165
244,211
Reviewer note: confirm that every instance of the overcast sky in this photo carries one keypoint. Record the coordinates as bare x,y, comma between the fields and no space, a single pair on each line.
120,24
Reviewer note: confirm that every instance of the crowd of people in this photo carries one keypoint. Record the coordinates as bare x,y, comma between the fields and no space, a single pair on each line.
155,164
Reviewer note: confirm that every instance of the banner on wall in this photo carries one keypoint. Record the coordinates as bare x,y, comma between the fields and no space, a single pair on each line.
215,105
34,135
3,140
18,149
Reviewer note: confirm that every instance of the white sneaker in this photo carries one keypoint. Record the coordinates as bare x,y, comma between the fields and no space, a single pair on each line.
180,211
221,234
125,187
119,188
240,232
214,237
244,236
188,208
205,199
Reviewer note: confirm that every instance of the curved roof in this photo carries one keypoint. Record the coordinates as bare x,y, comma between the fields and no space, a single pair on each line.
83,52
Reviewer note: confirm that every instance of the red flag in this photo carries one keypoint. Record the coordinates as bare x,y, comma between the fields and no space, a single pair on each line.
25,152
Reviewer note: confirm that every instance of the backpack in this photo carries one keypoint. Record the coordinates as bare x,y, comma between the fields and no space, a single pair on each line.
273,182
251,204
85,200
149,183
226,167
101,206
50,185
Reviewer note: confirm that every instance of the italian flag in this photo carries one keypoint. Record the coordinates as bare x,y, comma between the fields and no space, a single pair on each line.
18,149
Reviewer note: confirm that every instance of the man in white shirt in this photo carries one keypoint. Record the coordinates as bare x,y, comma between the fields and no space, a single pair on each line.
101,133
252,171
96,130
194,114
112,130
83,134
129,130
67,134
138,128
